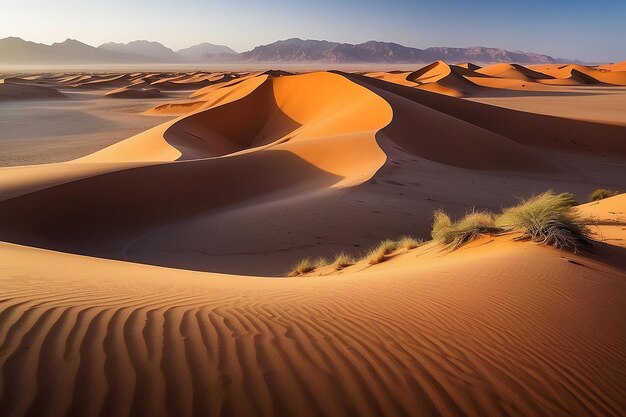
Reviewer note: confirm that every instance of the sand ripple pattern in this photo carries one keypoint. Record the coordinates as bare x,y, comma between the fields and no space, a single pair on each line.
513,341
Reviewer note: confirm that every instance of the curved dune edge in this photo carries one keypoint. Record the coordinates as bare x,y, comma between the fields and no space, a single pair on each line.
469,80
305,134
333,130
493,330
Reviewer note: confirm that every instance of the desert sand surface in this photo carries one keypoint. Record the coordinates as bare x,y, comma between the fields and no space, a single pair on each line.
147,275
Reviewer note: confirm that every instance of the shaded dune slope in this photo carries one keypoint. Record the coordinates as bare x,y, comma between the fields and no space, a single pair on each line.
442,78
308,147
303,118
527,129
14,91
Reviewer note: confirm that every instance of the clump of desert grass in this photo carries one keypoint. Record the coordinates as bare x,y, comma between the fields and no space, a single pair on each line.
379,253
549,219
601,194
456,233
408,242
307,265
343,260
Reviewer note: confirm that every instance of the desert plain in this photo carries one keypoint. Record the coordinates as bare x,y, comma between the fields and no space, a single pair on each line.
149,222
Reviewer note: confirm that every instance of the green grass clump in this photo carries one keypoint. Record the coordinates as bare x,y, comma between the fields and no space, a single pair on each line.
547,218
343,260
464,230
601,194
408,242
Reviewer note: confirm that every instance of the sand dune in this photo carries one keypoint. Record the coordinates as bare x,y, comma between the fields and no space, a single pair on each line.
336,130
467,79
617,66
445,78
11,91
260,169
128,92
83,336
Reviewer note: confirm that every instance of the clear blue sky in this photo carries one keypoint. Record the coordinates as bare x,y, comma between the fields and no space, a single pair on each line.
592,30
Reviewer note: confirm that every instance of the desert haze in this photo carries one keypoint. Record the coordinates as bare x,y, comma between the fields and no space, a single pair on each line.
448,240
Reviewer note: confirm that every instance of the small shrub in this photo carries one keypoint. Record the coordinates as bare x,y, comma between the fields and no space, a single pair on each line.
464,230
343,260
408,242
548,218
601,194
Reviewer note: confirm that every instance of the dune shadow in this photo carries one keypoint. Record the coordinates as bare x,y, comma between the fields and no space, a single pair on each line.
100,215
254,120
529,129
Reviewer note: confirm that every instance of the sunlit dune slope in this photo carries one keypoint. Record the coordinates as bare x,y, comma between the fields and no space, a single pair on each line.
496,329
262,153
302,135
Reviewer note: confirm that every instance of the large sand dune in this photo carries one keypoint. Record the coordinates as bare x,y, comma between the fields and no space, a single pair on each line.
480,332
258,170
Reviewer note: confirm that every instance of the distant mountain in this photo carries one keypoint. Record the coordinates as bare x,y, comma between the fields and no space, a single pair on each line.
15,51
149,51
482,54
204,51
298,50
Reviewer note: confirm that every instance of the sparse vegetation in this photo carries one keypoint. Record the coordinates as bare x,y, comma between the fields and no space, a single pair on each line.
441,225
375,256
302,267
464,230
320,262
601,194
380,252
343,260
547,218
408,242
387,246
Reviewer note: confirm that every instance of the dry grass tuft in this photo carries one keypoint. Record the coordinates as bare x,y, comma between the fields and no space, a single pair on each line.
378,254
408,242
375,256
601,194
302,267
548,218
307,265
343,260
441,225
466,229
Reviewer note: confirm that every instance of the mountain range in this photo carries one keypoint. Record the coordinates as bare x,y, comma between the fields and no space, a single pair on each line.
16,51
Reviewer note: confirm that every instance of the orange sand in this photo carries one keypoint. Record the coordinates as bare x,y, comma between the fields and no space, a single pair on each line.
261,169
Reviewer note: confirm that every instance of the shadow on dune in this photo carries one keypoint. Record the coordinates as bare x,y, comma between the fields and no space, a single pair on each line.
528,129
100,215
220,130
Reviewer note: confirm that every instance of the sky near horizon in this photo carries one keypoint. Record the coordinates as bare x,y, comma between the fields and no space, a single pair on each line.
586,30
